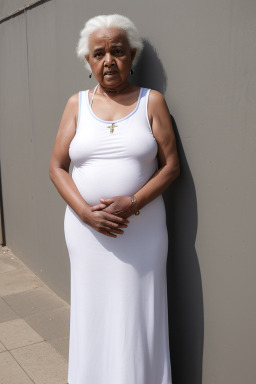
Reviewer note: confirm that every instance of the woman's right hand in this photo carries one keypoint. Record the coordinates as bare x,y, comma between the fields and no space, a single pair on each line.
105,223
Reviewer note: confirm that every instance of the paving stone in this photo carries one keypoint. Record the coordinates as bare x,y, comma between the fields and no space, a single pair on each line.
18,281
2,348
17,333
34,301
61,345
6,313
11,372
52,324
34,327
42,363
5,266
8,261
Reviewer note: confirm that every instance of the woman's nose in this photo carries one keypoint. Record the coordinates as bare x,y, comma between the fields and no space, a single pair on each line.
108,59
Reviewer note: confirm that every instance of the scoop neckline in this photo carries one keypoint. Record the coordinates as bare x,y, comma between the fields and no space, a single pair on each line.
113,121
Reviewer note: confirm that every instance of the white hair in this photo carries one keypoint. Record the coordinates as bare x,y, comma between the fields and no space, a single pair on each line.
107,21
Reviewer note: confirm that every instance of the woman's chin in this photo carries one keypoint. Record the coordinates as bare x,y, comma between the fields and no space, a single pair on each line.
111,76
112,81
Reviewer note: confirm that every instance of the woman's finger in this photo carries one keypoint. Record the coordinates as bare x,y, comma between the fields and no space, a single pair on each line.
116,219
107,201
113,230
107,233
98,207
123,225
109,224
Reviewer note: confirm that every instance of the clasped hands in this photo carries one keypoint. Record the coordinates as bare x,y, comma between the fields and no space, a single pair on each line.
110,215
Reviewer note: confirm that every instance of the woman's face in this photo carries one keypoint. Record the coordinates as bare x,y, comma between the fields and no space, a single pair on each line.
110,56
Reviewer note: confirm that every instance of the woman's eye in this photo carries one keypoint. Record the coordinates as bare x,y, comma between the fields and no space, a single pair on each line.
97,54
118,50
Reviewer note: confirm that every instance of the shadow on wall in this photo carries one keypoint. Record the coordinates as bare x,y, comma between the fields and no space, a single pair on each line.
185,296
149,72
2,227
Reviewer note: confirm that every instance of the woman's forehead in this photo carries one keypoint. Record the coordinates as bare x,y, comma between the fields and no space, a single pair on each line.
107,35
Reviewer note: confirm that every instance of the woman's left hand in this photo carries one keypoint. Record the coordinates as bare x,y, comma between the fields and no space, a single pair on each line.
118,205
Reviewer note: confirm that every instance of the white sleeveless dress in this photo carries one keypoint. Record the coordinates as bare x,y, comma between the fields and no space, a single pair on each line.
119,319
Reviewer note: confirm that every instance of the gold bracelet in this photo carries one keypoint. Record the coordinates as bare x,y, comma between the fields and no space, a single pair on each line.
135,206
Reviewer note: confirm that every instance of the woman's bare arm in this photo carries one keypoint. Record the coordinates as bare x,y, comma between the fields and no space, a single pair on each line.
60,160
107,224
168,161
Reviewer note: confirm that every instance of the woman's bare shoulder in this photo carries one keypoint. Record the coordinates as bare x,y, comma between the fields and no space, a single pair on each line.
73,100
156,103
156,97
69,116
72,106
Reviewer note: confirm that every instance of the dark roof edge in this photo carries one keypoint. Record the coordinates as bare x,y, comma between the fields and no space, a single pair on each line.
23,9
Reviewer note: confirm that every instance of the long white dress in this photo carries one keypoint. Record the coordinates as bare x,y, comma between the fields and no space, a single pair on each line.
119,319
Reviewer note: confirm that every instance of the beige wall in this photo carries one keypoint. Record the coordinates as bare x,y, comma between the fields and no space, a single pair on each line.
8,7
202,55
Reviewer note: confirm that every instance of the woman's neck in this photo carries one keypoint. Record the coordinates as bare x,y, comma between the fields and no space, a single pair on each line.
112,91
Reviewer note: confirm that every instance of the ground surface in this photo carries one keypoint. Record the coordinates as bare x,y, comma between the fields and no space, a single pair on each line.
34,327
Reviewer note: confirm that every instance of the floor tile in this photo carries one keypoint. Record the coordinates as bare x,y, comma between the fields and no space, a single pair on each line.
52,324
8,261
17,333
34,327
34,301
61,344
5,266
2,347
11,372
18,281
42,363
6,313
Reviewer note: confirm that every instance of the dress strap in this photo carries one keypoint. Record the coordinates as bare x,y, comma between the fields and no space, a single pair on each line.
95,89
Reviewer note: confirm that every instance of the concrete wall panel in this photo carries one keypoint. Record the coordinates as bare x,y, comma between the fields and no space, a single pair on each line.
201,54
9,7
43,95
15,144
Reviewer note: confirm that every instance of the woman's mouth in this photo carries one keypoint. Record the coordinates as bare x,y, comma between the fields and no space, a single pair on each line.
110,73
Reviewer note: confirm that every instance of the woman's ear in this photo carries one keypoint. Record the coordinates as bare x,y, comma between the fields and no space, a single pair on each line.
87,58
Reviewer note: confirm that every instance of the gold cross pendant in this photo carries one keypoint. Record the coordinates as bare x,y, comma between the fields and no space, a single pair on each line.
112,127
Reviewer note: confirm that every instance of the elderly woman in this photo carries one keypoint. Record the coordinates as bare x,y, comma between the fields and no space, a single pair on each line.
120,140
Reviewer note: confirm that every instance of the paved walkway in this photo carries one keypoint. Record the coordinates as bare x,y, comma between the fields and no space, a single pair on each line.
34,327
